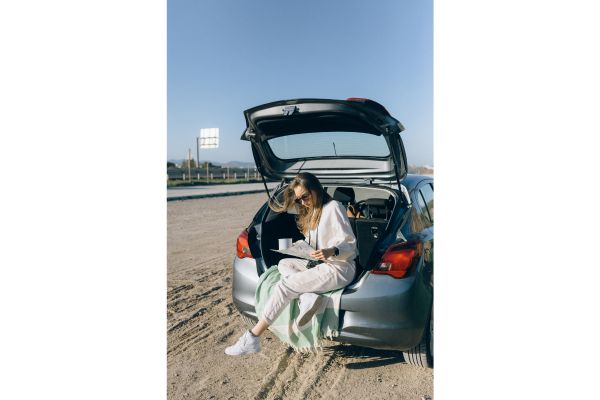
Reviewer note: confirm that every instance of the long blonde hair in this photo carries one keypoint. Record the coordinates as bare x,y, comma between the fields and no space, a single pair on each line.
308,217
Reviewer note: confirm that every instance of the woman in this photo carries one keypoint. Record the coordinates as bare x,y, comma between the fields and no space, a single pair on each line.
324,223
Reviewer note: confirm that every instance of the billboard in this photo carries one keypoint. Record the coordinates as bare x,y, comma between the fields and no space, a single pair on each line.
209,138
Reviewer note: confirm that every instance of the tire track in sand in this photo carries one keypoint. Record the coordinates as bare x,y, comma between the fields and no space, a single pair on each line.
283,362
320,366
302,376
207,322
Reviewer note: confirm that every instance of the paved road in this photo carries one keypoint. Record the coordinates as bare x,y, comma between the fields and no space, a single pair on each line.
196,192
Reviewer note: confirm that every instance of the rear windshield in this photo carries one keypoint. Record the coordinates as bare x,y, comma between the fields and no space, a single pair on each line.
328,144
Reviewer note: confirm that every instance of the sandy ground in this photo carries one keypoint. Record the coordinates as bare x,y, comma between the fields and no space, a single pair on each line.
202,321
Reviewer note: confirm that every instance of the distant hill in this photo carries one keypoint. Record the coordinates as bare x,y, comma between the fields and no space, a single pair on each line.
231,164
236,164
412,169
420,170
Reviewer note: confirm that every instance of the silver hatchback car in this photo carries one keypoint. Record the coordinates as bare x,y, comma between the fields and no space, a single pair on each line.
354,147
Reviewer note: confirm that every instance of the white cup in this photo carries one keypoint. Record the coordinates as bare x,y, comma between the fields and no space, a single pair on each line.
285,243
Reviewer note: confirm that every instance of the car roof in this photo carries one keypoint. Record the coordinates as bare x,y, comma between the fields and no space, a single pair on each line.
412,180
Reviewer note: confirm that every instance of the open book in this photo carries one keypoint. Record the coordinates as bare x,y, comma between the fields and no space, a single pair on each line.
299,249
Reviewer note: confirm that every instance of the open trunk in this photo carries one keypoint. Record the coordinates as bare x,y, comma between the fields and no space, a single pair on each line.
351,141
373,209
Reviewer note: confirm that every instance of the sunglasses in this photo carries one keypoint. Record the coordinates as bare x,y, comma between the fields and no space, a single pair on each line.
304,197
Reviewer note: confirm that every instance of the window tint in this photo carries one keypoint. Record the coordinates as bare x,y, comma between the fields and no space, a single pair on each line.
423,215
329,144
427,193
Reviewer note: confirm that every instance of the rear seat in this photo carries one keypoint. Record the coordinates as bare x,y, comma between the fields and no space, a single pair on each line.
369,229
368,232
346,196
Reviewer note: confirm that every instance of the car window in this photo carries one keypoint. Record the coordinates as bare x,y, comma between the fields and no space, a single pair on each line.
423,215
427,193
328,144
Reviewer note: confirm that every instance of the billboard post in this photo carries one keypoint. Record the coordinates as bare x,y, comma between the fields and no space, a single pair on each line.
198,156
208,139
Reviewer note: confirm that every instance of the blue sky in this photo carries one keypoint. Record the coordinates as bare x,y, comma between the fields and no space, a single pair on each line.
225,56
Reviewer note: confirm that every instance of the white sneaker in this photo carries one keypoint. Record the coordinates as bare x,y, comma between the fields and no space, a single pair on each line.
309,304
247,344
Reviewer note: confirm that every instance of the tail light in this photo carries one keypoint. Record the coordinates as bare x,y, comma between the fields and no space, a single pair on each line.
243,248
398,259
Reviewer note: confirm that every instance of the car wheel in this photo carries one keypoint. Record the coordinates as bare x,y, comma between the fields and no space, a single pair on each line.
422,354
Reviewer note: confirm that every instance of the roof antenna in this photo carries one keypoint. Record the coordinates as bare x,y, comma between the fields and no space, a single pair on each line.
300,169
334,151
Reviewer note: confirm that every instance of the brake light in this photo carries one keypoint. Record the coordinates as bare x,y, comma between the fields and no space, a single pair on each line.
398,259
356,99
243,248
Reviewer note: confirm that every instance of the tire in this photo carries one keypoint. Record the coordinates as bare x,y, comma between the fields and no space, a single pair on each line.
422,354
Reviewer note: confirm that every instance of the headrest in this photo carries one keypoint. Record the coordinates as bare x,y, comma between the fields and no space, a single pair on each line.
344,195
381,203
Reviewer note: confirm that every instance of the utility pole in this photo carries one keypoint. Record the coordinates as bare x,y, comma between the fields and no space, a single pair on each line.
198,155
190,164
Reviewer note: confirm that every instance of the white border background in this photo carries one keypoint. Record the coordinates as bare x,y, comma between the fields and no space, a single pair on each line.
84,259
83,84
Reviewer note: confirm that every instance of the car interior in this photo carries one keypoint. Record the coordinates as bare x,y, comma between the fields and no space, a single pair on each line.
368,210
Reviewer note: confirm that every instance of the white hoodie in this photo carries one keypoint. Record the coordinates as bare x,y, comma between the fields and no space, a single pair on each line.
334,230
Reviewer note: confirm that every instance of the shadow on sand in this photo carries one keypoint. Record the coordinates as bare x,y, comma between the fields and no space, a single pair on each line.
368,358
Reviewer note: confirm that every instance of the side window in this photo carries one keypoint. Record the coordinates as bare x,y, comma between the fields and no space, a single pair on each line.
427,196
422,213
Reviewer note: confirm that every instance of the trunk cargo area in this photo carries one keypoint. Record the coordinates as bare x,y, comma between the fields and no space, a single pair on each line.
369,211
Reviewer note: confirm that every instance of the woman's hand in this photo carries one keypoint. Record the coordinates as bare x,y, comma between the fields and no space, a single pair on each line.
322,254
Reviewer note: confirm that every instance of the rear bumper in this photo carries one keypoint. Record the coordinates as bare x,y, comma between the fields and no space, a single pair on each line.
378,311
385,313
245,280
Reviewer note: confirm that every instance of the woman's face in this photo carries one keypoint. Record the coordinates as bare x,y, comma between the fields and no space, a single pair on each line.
303,196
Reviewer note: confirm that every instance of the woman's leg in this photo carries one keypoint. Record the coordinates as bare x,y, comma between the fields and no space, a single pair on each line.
289,266
250,342
260,327
320,279
286,267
